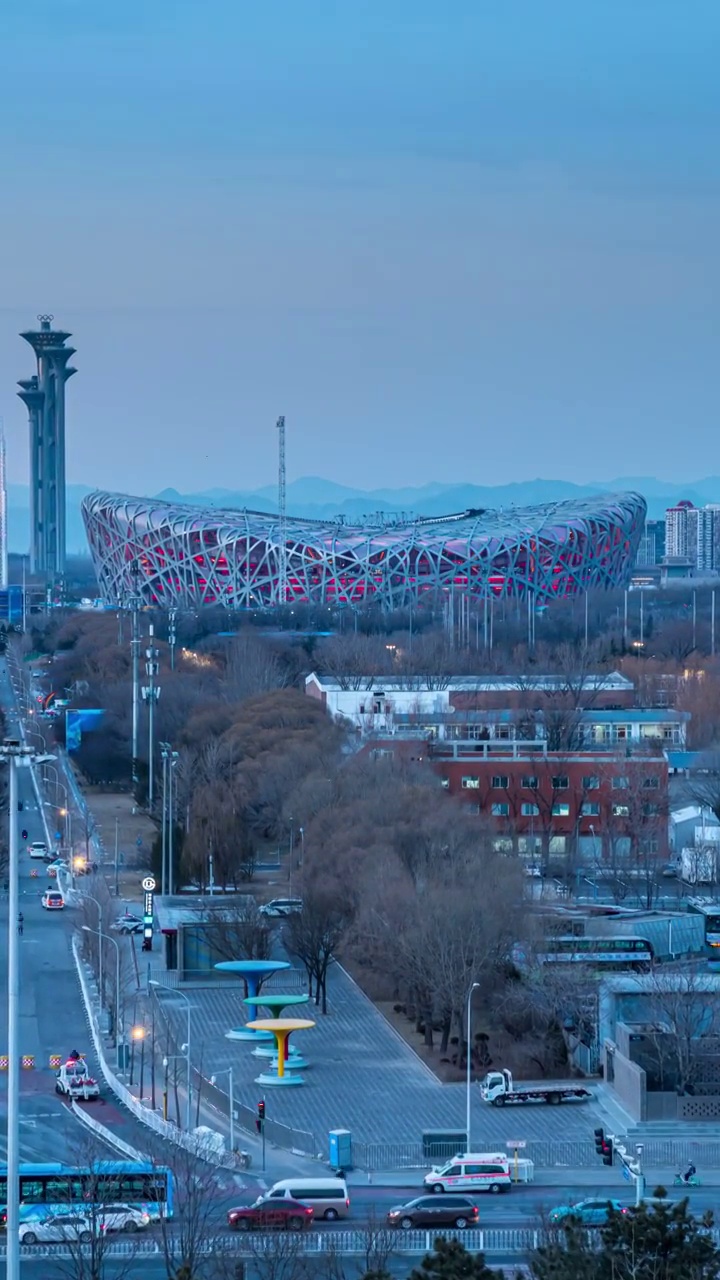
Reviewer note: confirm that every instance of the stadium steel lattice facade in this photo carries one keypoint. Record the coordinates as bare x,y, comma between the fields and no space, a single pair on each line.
186,556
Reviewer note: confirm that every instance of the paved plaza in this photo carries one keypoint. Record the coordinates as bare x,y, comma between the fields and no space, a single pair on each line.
363,1077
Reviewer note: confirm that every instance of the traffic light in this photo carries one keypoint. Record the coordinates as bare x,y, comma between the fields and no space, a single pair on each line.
604,1146
260,1116
23,834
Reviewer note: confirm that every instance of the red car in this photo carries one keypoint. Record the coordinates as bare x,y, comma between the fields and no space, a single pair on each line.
271,1215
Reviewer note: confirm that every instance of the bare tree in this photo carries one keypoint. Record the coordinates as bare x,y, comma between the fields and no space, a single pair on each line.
684,1028
192,1246
315,933
237,930
91,1227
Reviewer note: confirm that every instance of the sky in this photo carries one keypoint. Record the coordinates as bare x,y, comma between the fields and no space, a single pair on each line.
470,240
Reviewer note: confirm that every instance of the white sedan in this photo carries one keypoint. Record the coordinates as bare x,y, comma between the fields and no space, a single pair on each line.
62,1227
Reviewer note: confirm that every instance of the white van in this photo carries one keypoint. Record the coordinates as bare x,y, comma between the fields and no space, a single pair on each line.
327,1197
486,1171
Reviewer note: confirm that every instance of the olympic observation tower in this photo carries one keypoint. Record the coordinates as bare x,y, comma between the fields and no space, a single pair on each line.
44,396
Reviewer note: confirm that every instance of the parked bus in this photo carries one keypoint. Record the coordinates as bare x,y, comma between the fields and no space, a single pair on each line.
616,952
47,1189
711,913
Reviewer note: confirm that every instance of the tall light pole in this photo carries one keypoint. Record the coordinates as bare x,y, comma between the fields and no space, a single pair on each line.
468,1055
222,1072
172,765
164,754
186,1047
86,928
134,603
151,694
16,755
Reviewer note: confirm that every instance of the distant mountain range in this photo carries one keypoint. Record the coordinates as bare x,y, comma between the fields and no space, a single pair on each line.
320,499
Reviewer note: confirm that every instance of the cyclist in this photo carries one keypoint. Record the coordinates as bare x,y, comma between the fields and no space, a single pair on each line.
689,1173
21,923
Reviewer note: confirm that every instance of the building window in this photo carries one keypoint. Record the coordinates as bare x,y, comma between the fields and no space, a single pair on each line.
500,810
557,844
590,810
622,732
472,808
621,811
650,844
529,782
651,784
591,782
560,782
500,782
651,810
470,784
619,784
561,810
530,810
445,784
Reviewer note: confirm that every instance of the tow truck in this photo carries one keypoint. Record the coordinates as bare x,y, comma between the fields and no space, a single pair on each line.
498,1089
74,1080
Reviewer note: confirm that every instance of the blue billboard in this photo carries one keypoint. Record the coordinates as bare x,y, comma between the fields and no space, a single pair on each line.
80,720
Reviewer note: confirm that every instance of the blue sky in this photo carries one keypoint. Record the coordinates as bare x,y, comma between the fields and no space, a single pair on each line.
470,240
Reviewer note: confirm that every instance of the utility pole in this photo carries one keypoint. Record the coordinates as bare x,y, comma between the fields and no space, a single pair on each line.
282,514
151,694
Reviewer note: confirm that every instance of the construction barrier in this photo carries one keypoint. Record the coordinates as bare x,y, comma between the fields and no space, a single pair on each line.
55,1061
28,1061
3,1062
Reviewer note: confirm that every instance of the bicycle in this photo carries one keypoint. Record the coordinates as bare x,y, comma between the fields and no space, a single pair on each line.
693,1181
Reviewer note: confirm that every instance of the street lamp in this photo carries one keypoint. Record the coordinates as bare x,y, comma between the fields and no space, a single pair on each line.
151,694
137,1035
468,1055
86,928
213,1078
17,755
185,1047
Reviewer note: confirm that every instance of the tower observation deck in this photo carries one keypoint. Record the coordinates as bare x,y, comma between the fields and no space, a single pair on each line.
44,396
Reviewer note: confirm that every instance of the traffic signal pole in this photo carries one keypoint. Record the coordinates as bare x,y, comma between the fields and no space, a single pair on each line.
260,1126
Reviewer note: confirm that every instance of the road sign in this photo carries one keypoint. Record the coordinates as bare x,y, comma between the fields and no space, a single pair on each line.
58,835
139,842
626,1173
148,884
515,1144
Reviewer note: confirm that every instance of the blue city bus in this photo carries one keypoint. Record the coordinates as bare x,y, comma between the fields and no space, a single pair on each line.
47,1189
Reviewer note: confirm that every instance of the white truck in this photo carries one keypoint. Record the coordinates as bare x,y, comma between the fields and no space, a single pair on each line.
74,1081
498,1089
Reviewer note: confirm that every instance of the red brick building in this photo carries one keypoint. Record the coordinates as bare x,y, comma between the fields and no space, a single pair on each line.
555,808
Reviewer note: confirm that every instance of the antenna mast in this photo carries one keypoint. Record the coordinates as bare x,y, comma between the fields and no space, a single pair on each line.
282,512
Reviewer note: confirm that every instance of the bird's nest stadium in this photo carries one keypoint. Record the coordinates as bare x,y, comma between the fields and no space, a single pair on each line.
187,556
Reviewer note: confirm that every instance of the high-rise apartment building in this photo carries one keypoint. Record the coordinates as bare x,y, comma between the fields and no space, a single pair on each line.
652,544
693,533
44,395
676,531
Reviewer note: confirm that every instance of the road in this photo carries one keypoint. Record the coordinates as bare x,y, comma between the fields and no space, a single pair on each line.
52,1015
